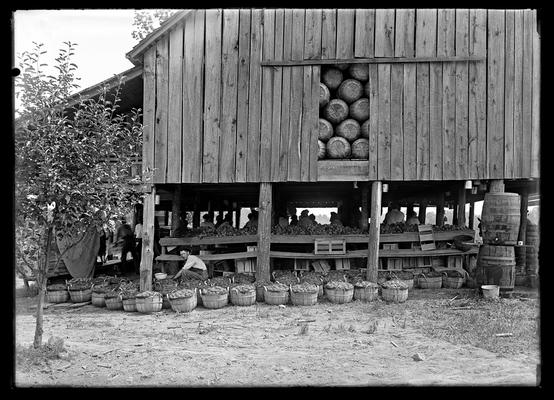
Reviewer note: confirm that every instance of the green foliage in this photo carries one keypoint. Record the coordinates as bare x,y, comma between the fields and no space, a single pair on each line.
145,21
71,160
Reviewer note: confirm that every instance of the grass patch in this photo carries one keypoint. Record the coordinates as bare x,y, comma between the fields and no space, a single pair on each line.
30,356
481,321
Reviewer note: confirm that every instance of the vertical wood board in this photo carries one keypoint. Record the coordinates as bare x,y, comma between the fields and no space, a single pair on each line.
462,93
277,96
149,113
267,95
384,134
396,118
404,33
175,112
384,32
364,35
162,98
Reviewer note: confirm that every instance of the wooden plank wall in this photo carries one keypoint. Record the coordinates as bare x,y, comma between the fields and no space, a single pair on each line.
213,114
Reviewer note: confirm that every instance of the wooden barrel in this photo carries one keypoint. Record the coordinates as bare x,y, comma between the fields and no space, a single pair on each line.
325,130
500,218
532,235
332,78
360,148
359,71
324,95
366,89
496,266
520,259
359,110
350,90
336,111
338,147
322,150
349,129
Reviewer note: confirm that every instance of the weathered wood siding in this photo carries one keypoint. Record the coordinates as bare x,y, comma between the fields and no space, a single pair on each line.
213,113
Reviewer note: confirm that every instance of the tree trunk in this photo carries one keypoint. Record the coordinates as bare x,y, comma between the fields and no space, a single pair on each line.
41,281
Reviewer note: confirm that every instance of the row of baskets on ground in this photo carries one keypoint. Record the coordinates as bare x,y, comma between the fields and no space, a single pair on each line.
118,294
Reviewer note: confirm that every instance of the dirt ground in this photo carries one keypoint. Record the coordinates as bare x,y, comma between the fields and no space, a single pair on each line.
354,344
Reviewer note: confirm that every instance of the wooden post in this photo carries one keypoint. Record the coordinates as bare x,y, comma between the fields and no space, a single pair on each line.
237,218
496,186
461,205
196,213
471,214
373,245
365,207
176,210
440,210
264,232
147,257
522,235
455,214
422,212
409,210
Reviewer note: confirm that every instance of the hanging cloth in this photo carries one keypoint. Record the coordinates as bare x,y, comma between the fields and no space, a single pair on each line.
80,258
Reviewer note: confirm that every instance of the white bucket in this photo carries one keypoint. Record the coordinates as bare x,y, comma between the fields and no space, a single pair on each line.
490,291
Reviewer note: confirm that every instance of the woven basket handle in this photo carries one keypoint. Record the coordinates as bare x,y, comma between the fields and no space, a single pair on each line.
422,274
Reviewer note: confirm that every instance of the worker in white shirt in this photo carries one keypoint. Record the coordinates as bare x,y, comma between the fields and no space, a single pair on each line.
194,266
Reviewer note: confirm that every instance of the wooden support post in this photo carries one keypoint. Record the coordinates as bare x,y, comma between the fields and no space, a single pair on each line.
523,216
147,257
373,245
409,210
455,214
496,186
176,211
471,214
237,218
461,205
422,212
264,232
440,210
365,208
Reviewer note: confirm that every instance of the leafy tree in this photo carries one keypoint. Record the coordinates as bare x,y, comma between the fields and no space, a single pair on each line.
145,21
71,162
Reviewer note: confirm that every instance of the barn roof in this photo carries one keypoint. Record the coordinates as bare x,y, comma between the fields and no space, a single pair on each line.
153,36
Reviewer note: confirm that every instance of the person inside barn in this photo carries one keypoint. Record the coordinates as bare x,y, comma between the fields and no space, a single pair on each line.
335,220
193,267
208,221
252,220
218,221
305,219
125,238
394,215
412,218
228,218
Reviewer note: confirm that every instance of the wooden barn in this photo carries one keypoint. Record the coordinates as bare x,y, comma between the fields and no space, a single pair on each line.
233,101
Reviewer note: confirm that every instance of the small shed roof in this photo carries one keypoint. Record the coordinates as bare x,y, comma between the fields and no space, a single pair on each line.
140,47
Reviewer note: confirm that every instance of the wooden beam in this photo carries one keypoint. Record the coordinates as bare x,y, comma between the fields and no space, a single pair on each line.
401,253
380,60
196,212
461,205
211,257
373,243
147,256
422,212
264,232
440,210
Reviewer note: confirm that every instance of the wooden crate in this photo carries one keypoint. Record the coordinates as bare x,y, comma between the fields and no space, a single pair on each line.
245,265
330,246
321,265
394,264
301,265
342,263
455,262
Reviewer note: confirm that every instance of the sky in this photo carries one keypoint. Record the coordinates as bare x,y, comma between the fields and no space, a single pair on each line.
103,38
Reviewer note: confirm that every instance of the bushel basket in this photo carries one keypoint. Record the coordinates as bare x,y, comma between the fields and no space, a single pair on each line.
453,281
366,292
80,296
397,295
303,298
57,296
151,303
114,303
339,292
276,297
98,299
429,282
183,303
240,298
130,305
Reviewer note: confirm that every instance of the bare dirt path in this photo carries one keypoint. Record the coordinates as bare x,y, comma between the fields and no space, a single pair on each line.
264,345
